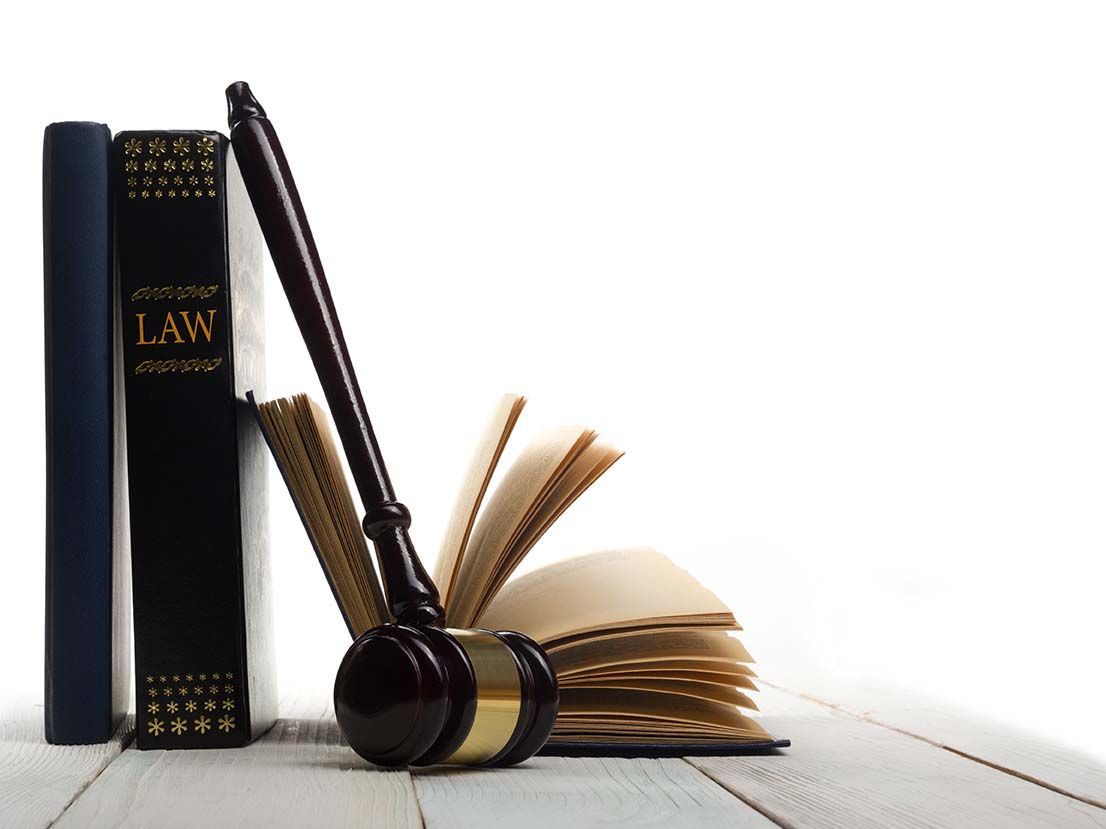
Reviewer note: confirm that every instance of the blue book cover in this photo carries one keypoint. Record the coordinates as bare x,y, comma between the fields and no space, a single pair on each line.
87,688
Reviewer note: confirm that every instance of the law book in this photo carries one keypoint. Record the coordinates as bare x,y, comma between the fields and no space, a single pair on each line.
188,253
644,655
87,676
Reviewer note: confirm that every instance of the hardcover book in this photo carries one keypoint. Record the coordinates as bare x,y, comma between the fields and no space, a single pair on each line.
644,655
189,260
87,682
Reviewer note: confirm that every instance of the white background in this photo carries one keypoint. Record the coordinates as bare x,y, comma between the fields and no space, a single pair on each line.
833,277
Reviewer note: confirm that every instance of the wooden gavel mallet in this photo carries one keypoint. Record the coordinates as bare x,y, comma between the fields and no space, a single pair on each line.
411,692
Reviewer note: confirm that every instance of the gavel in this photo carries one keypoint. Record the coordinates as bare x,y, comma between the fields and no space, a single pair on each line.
412,692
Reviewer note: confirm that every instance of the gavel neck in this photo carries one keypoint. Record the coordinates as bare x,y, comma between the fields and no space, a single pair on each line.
412,596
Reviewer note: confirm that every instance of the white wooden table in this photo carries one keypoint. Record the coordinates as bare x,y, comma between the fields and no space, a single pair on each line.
858,760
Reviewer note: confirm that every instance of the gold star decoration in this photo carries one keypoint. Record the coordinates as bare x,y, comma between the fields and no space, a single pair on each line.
153,707
161,679
203,677
156,727
145,194
169,164
157,194
228,705
197,193
190,706
184,194
198,689
211,194
202,724
205,146
228,674
182,146
188,165
226,723
152,692
133,147
207,165
131,194
157,146
171,708
178,180
179,726
213,689
228,689
176,678
132,181
216,676
149,679
149,166
131,166
172,194
147,181
188,677
209,705
182,690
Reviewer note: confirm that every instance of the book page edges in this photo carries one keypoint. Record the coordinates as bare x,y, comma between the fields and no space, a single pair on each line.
481,468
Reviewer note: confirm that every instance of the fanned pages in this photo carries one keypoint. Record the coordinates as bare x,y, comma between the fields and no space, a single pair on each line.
642,650
605,593
549,475
484,461
301,441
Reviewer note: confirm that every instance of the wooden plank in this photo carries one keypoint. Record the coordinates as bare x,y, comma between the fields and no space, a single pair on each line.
565,792
37,780
842,771
1045,762
299,774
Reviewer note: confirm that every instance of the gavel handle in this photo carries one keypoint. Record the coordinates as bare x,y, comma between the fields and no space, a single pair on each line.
412,596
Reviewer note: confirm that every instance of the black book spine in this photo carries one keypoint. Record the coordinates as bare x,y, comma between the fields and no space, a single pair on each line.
188,254
87,592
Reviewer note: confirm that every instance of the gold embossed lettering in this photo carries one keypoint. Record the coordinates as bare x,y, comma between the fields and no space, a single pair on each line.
142,331
170,326
200,325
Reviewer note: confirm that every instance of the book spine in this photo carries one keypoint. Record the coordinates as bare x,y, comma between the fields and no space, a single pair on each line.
87,658
189,268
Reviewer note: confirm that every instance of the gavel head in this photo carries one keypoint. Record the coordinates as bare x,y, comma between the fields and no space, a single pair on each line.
409,695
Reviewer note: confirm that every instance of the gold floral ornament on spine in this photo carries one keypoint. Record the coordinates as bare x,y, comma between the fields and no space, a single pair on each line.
189,715
168,154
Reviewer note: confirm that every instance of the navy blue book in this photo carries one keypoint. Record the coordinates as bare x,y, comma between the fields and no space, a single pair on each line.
87,577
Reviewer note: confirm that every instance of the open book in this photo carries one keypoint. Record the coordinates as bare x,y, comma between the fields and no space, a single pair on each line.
643,651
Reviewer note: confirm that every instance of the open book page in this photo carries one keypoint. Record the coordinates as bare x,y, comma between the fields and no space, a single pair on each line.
484,461
695,675
531,478
306,453
652,647
584,470
641,649
604,593
598,713
715,692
